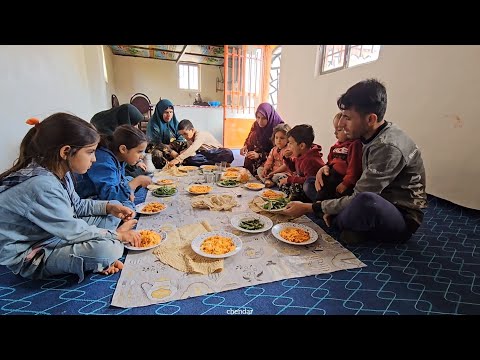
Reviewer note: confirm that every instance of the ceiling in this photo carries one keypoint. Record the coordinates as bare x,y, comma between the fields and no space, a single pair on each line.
198,54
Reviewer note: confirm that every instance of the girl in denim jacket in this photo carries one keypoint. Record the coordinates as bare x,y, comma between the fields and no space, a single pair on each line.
45,228
106,179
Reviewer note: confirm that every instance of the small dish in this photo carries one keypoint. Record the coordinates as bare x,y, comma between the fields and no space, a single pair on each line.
254,186
237,219
140,208
198,241
279,227
163,236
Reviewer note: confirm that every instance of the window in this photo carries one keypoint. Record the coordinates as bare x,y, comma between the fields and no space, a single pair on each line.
105,73
337,57
188,76
275,76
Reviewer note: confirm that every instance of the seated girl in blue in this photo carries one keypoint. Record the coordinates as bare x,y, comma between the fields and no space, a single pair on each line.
106,178
45,228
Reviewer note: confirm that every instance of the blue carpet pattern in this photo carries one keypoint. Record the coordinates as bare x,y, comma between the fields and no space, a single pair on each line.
436,272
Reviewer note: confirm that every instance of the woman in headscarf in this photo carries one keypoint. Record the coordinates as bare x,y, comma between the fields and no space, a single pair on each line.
259,143
108,120
162,133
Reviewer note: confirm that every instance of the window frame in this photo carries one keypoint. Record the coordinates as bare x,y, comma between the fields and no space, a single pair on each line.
346,60
189,64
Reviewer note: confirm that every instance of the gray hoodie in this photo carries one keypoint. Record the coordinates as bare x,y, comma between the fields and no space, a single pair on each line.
393,168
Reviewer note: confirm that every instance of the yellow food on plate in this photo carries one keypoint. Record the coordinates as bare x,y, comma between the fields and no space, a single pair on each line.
187,168
270,194
200,189
254,186
153,207
209,167
217,245
165,182
232,169
295,235
149,238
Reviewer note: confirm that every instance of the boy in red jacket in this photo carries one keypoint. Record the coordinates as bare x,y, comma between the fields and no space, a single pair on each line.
345,164
307,160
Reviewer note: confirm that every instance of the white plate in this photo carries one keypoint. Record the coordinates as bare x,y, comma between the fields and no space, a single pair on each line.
187,168
260,187
274,210
167,182
176,190
208,168
199,193
139,208
267,223
279,227
162,234
228,186
276,192
200,238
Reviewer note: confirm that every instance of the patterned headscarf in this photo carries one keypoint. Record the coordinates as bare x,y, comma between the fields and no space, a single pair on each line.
264,134
159,131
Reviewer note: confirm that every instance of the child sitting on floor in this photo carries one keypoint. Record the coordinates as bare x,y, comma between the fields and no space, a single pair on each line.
203,148
306,160
274,169
345,168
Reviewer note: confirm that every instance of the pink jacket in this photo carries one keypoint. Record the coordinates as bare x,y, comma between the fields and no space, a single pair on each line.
274,159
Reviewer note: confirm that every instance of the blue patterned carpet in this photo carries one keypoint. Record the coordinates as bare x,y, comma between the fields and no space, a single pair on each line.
436,272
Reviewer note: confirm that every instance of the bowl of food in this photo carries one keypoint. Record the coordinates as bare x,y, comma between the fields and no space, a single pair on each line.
150,240
217,244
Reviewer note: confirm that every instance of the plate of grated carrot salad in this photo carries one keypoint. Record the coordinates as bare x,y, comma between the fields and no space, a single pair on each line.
294,234
150,240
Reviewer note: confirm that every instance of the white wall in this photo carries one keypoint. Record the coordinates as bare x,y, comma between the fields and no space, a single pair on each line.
38,81
428,88
159,78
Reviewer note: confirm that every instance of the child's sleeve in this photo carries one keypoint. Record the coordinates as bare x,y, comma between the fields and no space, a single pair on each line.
192,149
330,155
52,211
311,168
269,162
354,164
108,180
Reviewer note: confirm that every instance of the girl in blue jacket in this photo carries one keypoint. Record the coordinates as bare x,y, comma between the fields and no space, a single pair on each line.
45,228
106,178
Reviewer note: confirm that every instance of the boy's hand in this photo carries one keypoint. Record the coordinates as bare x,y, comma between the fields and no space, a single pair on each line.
120,211
319,179
287,153
283,181
341,188
173,162
142,165
243,150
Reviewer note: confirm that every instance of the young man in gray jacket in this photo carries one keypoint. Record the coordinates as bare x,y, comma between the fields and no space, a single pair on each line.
388,199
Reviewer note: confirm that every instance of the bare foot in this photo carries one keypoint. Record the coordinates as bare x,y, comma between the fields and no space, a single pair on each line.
114,268
127,225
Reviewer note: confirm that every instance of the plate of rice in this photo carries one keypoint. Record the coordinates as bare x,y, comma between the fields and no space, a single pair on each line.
150,240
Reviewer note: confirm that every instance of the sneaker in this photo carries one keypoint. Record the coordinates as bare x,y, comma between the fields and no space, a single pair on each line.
351,237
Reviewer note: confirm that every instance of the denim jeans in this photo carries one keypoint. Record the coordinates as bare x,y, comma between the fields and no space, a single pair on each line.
58,256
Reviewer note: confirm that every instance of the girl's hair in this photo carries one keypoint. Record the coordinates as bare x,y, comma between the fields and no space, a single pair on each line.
337,116
127,135
285,128
43,142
